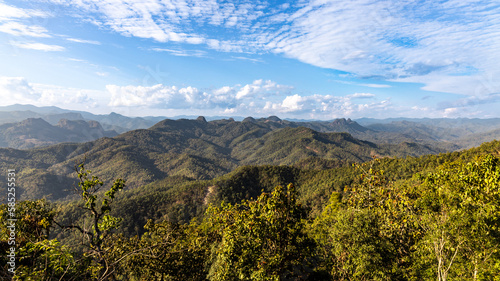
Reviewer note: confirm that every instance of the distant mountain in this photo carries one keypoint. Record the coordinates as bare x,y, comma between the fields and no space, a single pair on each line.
118,120
462,133
36,132
444,133
52,114
17,116
194,149
477,139
28,107
56,118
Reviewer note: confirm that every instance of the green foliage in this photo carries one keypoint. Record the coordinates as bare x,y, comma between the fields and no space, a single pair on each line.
460,215
195,149
45,260
38,257
97,207
431,217
262,239
166,252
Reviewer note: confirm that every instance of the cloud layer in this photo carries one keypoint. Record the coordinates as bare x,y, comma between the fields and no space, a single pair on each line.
450,46
18,90
425,41
172,97
259,98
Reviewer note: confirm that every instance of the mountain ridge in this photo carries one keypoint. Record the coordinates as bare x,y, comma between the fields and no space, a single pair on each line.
37,132
445,133
190,148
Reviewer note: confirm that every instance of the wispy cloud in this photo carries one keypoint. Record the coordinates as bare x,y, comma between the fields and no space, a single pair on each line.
398,40
376,85
102,74
247,59
38,46
361,96
370,85
181,53
18,29
77,60
472,101
76,40
13,22
8,12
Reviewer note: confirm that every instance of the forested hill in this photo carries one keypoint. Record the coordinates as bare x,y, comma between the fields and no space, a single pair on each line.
446,133
36,132
180,199
195,149
433,217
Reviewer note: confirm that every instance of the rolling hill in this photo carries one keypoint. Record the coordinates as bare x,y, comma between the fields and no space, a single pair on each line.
36,132
195,149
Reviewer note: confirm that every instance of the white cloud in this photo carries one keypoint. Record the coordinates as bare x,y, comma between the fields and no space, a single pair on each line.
102,74
157,96
450,112
17,90
290,103
76,40
181,53
247,59
163,96
136,100
67,97
325,106
260,87
8,12
361,96
18,29
376,85
38,46
77,60
398,40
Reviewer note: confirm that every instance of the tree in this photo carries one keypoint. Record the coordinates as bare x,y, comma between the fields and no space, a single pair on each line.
99,223
460,215
367,232
167,251
36,256
263,239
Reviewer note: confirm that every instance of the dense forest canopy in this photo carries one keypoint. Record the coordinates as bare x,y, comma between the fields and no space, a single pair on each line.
414,218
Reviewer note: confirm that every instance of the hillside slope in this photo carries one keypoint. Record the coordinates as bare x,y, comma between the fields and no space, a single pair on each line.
180,199
195,149
36,132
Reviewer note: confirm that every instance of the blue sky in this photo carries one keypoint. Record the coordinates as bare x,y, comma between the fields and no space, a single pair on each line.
295,59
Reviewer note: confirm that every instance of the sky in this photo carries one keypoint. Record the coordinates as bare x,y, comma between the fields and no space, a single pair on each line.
295,59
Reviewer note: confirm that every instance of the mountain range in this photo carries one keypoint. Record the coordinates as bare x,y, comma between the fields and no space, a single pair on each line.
45,154
443,133
196,149
35,132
